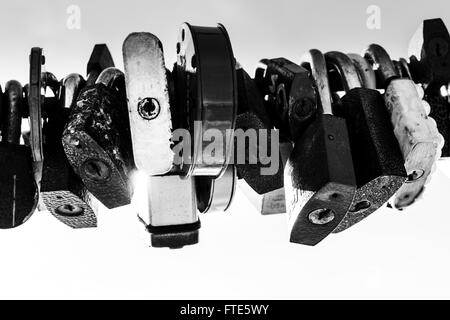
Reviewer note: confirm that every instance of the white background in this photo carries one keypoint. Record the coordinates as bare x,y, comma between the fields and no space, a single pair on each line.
241,254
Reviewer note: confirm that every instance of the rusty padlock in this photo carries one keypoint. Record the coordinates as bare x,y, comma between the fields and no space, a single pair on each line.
97,139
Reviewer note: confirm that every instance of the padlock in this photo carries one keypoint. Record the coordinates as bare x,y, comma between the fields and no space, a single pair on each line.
290,101
271,202
99,60
416,132
206,96
290,95
97,139
319,178
377,159
19,193
168,206
252,116
429,65
62,191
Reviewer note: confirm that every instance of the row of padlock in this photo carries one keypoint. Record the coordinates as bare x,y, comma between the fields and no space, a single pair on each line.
351,132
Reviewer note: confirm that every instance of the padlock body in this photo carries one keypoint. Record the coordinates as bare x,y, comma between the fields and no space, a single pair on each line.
319,175
18,192
377,159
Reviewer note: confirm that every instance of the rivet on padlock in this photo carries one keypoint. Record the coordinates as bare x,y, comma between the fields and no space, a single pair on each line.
377,158
97,142
319,178
19,193
62,191
416,133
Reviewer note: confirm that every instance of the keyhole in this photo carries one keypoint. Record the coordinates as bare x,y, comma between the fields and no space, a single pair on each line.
96,170
360,206
321,216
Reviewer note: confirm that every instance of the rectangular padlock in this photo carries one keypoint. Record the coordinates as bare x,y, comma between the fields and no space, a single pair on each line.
319,178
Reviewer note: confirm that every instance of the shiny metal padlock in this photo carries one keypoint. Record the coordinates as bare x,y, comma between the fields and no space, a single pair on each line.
62,191
377,159
97,139
168,206
429,65
416,132
19,193
319,178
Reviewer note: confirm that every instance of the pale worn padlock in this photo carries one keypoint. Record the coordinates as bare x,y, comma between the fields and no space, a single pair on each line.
319,178
377,158
416,132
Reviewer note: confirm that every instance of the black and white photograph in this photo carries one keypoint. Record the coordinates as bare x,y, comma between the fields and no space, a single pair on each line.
211,150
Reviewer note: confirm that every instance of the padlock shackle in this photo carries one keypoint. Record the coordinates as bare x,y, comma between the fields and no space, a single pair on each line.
382,63
111,77
365,70
403,68
71,85
12,117
316,61
346,69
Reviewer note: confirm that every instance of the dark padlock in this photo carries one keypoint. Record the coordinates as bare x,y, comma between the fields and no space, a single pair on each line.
252,116
100,60
62,191
377,159
429,65
19,194
319,178
290,95
416,132
97,139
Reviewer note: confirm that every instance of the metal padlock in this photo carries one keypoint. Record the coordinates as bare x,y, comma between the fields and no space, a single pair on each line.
19,193
416,132
429,52
290,95
97,139
253,116
167,207
377,159
319,178
62,191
